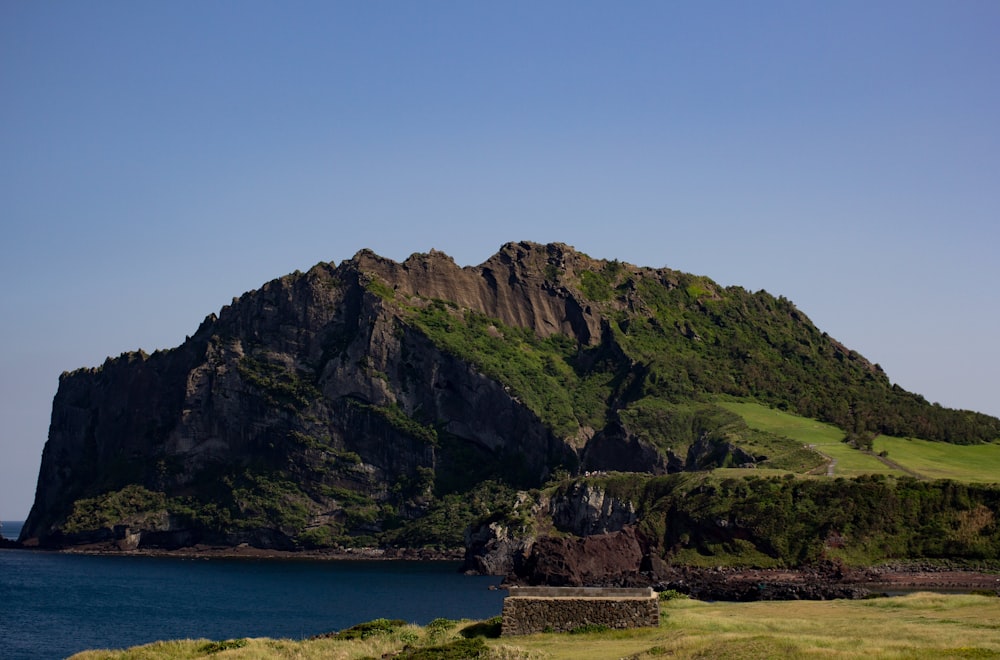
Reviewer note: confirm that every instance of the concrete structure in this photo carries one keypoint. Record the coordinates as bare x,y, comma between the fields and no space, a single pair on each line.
561,609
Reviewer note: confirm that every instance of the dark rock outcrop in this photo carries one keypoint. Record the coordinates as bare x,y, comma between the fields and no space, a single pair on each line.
305,375
612,559
586,509
493,549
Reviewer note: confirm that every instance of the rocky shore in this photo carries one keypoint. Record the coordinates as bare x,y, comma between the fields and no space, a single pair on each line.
621,560
249,552
821,582
625,559
8,544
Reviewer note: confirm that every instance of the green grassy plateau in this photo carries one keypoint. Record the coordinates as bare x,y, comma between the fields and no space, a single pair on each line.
935,460
920,625
919,458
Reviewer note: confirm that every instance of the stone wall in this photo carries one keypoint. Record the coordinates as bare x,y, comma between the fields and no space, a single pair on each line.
561,609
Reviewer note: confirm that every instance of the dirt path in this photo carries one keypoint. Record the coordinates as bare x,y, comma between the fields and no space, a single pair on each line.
831,462
896,466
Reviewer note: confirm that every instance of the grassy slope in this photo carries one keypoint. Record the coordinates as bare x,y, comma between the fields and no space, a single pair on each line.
915,626
934,460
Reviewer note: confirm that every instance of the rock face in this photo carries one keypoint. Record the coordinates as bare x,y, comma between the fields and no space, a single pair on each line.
317,374
612,559
494,549
587,509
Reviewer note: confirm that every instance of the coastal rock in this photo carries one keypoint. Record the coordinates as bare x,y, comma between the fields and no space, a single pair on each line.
494,549
612,559
316,386
586,509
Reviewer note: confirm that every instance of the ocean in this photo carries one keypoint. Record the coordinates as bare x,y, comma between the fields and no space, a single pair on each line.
53,605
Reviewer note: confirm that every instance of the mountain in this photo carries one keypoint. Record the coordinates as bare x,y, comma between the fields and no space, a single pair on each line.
376,402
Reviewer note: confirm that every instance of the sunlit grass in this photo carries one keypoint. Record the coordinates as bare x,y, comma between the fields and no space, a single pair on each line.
916,626
826,438
939,460
921,625
924,458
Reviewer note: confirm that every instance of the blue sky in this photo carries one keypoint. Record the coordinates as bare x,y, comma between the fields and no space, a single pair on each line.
158,159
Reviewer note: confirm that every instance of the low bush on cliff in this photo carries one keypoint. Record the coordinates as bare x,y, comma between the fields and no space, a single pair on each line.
280,386
132,505
443,525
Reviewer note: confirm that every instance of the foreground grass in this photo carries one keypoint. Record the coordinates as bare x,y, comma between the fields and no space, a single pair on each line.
932,460
916,626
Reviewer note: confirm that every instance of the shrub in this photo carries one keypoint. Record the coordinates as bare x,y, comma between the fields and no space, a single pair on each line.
589,628
370,629
460,649
218,647
489,628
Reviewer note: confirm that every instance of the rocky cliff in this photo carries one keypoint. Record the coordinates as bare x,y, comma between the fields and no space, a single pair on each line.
376,402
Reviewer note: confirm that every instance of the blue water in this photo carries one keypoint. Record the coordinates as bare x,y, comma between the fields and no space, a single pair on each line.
11,529
53,605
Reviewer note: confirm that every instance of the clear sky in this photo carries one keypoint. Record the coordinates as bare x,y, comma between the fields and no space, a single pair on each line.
158,159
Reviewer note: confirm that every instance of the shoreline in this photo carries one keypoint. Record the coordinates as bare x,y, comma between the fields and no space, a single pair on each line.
720,583
245,551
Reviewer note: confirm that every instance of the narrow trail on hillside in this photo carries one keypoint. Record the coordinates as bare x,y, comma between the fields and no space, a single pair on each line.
831,462
896,466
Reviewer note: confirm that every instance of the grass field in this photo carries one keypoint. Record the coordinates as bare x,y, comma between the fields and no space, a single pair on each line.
916,626
938,460
923,458
826,438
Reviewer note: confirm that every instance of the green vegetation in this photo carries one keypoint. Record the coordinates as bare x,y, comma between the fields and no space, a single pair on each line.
458,649
443,526
379,288
598,285
932,460
132,505
211,648
918,626
976,463
281,387
371,628
241,500
542,373
824,438
717,519
674,427
402,422
755,518
699,337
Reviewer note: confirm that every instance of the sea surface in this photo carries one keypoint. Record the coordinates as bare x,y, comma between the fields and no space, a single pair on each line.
53,605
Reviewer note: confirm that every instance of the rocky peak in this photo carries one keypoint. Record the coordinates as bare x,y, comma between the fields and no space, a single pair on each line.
520,286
